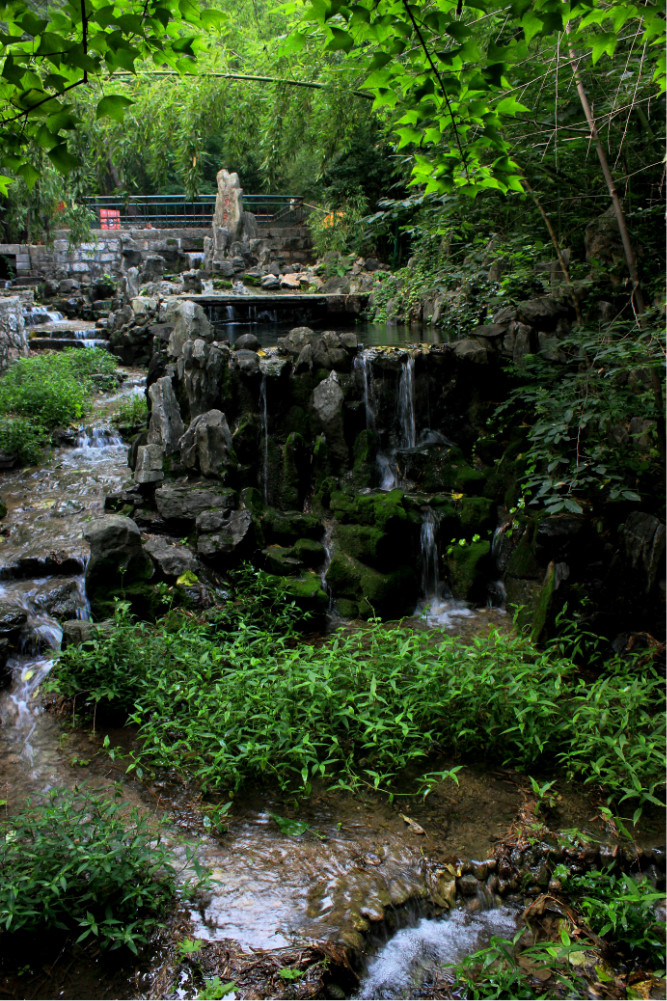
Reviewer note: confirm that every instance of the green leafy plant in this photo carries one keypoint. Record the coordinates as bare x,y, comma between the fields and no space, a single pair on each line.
215,989
132,414
44,392
620,908
504,970
75,863
228,701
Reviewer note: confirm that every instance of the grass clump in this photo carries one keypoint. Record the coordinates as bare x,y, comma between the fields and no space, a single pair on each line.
228,701
74,864
132,414
47,391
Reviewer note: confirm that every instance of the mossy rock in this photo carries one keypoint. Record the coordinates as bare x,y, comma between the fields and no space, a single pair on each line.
465,479
379,510
388,595
365,543
364,467
252,500
309,551
281,560
294,471
385,594
142,596
288,526
468,568
308,592
347,608
477,514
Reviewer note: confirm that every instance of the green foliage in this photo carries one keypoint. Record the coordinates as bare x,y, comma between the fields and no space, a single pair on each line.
76,864
49,55
215,989
500,971
132,414
231,700
446,77
21,437
582,410
619,908
47,391
341,229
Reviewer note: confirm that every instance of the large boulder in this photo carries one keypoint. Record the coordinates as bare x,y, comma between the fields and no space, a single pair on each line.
118,565
13,338
179,504
188,321
327,405
170,559
166,427
233,538
206,446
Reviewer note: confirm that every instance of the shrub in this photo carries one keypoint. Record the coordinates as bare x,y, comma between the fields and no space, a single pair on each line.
47,391
229,701
132,414
74,864
23,438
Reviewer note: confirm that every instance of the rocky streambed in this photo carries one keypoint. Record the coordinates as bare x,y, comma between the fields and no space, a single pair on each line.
349,474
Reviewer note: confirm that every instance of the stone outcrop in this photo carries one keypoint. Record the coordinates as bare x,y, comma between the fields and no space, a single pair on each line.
206,446
118,566
13,336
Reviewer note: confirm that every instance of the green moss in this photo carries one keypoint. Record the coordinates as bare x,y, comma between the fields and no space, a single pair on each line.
543,608
252,500
347,608
363,542
467,567
364,464
308,593
293,469
477,514
281,560
309,551
288,526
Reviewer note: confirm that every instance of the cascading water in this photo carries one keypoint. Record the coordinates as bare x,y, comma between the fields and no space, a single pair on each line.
429,555
406,404
415,959
327,544
436,607
363,364
264,413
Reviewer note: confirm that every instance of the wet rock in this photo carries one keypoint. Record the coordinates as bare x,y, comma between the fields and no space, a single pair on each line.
270,282
472,351
180,503
78,631
480,870
117,561
170,560
69,562
246,342
234,535
206,446
295,341
543,312
327,405
166,425
149,464
468,885
247,362
643,541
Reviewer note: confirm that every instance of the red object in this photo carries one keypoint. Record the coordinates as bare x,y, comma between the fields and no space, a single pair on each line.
109,219
60,207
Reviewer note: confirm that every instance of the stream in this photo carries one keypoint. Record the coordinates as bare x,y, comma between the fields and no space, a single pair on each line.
356,859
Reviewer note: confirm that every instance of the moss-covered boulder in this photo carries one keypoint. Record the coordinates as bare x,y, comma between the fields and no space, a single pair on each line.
364,466
286,527
308,593
281,560
310,552
366,543
385,594
477,514
469,568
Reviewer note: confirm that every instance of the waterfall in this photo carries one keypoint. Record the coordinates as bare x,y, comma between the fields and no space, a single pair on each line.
264,412
363,363
406,404
429,555
327,544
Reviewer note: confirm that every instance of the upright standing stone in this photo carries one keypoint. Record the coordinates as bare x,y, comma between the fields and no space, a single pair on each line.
13,339
228,213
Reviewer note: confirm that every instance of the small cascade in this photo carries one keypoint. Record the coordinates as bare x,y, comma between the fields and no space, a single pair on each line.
430,555
327,542
264,413
98,437
195,259
406,404
363,364
408,965
36,316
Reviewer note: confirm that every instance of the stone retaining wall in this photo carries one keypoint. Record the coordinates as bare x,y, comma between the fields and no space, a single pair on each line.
112,251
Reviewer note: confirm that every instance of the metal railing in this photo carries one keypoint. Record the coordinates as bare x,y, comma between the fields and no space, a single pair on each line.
171,211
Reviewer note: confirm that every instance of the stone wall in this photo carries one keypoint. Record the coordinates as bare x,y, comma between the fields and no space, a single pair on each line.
112,251
13,337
